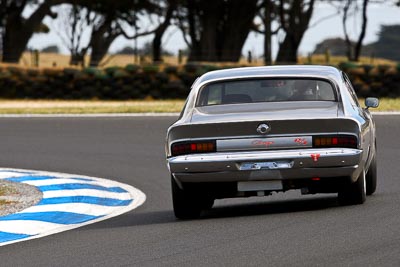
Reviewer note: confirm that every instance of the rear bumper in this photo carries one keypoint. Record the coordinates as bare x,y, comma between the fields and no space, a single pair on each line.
275,165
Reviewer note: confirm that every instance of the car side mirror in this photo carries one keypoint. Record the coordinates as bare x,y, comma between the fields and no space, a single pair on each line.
371,102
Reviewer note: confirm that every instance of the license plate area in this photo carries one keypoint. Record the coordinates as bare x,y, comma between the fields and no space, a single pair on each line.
269,165
259,186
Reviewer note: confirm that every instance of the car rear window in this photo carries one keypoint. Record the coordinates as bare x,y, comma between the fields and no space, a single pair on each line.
265,90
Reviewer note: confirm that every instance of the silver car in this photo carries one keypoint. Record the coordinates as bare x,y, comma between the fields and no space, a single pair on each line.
253,131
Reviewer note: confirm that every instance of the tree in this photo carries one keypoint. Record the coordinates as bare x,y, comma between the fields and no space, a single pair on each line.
267,14
74,21
116,17
160,30
294,16
354,51
267,21
103,21
216,30
16,29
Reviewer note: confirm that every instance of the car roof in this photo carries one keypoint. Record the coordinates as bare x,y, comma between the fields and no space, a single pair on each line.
271,71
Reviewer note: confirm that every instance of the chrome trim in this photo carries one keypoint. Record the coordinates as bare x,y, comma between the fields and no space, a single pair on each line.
264,143
227,164
265,155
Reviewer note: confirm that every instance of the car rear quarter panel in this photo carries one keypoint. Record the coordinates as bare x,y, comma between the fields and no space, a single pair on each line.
365,123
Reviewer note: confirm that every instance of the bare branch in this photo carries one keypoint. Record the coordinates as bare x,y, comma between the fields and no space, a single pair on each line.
282,15
136,35
363,30
344,22
183,29
325,18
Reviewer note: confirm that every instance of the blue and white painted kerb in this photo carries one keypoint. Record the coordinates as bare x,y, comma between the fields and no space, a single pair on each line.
69,201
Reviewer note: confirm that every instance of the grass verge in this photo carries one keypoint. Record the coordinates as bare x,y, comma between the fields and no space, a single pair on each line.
139,106
88,107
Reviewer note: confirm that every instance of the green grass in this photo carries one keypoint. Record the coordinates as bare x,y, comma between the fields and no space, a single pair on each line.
139,106
88,107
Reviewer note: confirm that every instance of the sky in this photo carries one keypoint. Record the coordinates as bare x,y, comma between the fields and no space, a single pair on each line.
378,14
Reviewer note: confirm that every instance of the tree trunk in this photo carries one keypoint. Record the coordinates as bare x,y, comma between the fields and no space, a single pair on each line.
16,37
358,47
77,59
195,48
18,31
287,53
208,39
100,43
161,30
100,48
237,27
349,45
223,29
157,47
268,33
204,40
295,27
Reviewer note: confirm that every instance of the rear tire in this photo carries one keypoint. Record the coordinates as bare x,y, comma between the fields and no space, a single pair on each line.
186,205
371,177
354,193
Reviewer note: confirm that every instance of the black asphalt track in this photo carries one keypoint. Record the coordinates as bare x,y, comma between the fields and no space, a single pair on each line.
281,230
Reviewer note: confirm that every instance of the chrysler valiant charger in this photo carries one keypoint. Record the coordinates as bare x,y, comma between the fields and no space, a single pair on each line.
253,131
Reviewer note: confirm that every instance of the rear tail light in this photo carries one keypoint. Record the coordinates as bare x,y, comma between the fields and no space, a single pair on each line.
347,141
183,148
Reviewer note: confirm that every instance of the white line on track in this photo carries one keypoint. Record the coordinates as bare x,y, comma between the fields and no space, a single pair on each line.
27,227
84,192
81,208
60,181
6,174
